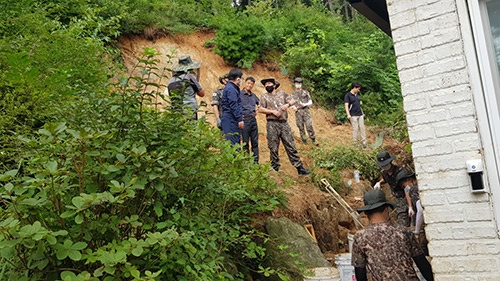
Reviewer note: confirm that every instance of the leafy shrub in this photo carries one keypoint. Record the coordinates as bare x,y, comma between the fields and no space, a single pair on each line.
42,72
240,40
342,157
130,193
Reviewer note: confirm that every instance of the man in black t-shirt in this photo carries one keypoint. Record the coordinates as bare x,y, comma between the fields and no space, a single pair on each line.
355,113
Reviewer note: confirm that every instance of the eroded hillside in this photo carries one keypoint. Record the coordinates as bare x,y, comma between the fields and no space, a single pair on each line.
307,204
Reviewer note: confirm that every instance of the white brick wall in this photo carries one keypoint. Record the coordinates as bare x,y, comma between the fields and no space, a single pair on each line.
441,117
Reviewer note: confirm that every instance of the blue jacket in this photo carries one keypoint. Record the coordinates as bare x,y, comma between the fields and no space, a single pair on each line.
231,102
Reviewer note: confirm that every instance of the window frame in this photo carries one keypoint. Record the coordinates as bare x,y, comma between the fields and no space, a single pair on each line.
485,79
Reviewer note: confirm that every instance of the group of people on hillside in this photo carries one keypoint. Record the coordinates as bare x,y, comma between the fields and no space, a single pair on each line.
235,110
386,249
235,107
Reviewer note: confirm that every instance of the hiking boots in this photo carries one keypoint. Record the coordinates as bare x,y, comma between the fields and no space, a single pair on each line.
302,171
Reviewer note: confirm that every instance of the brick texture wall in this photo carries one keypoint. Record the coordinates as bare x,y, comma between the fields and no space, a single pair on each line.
443,130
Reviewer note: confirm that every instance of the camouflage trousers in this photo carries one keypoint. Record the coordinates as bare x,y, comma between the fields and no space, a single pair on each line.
280,131
402,212
303,120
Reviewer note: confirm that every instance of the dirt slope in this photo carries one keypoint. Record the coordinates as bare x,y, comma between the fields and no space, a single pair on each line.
307,204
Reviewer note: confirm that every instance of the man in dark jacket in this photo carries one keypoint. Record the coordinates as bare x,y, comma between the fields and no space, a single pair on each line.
232,111
250,133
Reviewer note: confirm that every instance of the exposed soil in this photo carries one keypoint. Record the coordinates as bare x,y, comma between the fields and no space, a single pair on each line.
307,204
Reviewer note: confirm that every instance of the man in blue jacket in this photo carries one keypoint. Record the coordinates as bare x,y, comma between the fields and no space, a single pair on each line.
232,110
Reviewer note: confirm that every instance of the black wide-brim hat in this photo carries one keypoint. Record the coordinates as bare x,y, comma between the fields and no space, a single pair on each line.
276,83
374,199
404,174
384,158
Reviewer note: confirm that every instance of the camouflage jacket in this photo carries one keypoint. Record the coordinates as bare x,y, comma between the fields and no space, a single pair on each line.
274,102
302,97
216,97
386,250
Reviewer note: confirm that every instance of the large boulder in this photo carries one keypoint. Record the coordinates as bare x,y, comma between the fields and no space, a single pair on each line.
291,249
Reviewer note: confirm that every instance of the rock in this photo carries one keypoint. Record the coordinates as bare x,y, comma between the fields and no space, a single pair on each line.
291,248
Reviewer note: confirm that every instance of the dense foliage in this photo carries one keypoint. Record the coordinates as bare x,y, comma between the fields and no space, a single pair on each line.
130,193
325,42
327,50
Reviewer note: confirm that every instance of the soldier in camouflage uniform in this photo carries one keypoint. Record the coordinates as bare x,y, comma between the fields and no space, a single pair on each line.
275,104
385,250
389,174
183,87
302,113
407,181
216,97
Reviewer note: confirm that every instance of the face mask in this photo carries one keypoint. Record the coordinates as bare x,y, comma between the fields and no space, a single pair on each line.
269,89
298,85
386,167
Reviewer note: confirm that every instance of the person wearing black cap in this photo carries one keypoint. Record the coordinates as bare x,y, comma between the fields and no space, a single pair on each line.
274,104
216,97
302,114
389,175
232,111
183,87
383,249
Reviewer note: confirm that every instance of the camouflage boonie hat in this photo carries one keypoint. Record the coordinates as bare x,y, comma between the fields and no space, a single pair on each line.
374,199
185,64
222,77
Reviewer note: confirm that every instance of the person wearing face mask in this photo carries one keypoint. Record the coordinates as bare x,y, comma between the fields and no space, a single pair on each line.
389,175
250,133
274,104
384,250
232,110
302,113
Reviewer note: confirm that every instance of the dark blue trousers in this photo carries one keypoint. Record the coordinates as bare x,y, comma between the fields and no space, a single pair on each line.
230,129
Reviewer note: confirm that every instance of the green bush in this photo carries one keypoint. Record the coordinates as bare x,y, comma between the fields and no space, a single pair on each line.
130,193
240,41
42,72
341,157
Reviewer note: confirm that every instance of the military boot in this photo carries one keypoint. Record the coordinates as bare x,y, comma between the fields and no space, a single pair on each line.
302,171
